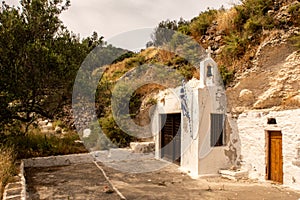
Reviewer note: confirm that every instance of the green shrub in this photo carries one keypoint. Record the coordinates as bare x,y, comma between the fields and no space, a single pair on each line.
187,71
135,61
59,123
200,24
184,29
254,24
235,46
227,75
114,133
118,73
252,15
151,101
177,60
37,145
135,104
296,41
124,56
294,11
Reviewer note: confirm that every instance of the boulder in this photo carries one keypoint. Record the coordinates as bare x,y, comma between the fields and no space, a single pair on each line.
246,95
142,147
86,133
58,129
49,126
42,122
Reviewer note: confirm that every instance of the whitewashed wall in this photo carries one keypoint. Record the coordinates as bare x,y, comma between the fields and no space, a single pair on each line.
169,102
197,157
252,128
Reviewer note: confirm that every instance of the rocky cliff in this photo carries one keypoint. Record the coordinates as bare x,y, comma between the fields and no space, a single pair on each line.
273,80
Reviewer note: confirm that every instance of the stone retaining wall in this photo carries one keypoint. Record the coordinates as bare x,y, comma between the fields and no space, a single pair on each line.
59,160
17,189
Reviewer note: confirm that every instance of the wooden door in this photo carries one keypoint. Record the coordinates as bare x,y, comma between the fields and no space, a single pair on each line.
275,162
171,137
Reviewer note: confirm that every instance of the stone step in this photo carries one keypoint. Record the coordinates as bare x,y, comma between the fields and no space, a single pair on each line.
234,174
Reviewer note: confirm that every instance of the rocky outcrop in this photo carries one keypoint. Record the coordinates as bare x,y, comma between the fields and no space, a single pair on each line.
273,80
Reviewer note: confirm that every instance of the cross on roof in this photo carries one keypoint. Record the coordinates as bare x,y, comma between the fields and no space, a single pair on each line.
209,52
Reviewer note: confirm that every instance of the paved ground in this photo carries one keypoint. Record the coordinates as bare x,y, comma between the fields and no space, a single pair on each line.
170,183
82,182
86,181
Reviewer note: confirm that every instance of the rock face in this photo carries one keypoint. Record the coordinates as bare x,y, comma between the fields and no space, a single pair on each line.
273,80
284,85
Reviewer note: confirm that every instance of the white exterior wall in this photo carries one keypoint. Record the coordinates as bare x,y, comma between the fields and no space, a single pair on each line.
197,157
189,138
168,103
204,97
253,126
211,159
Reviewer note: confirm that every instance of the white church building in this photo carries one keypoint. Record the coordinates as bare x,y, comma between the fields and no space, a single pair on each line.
189,123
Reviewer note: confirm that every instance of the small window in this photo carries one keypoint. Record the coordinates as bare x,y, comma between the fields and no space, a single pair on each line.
272,121
217,130
209,71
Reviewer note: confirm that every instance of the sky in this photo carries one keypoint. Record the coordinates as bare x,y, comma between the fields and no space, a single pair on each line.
110,18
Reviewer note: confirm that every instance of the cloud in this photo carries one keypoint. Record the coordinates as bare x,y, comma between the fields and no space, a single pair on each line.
110,17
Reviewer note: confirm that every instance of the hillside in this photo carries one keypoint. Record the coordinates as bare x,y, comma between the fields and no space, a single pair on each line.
256,45
273,79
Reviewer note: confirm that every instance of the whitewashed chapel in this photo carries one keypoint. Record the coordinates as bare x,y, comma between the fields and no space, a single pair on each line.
189,122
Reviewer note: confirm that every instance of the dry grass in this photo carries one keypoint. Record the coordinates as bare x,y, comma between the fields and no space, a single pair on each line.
292,102
225,20
6,166
164,55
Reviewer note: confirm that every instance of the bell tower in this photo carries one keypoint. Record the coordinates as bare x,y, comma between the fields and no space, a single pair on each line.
208,70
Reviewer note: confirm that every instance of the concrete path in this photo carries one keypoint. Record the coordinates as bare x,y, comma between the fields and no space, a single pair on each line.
79,181
169,183
119,173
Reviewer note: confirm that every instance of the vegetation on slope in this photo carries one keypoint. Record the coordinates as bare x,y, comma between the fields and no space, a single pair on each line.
112,75
241,28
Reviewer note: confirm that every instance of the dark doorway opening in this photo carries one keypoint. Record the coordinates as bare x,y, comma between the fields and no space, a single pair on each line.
171,137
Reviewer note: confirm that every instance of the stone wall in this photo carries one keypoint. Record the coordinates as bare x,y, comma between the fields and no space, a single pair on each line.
253,127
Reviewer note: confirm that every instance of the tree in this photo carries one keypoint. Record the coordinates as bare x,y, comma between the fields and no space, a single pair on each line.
39,60
164,32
